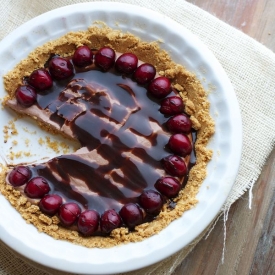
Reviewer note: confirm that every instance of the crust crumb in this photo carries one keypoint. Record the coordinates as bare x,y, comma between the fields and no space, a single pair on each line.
45,219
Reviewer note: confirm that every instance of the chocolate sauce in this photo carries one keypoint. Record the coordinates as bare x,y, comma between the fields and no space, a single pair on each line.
122,128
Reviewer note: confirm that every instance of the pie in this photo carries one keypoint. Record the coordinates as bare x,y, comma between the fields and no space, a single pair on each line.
142,123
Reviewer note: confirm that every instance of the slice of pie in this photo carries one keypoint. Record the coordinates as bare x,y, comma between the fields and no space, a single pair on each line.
142,123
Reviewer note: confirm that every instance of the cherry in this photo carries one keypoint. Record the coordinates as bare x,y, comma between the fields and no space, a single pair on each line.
83,56
179,124
37,187
174,166
131,214
40,79
168,186
151,201
110,220
68,213
105,58
172,105
50,204
160,87
144,73
60,68
88,222
126,63
19,176
180,144
25,95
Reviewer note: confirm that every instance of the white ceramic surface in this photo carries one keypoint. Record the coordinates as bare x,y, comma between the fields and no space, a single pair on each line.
186,49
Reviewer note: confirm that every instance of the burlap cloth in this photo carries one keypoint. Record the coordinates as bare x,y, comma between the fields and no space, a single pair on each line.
250,67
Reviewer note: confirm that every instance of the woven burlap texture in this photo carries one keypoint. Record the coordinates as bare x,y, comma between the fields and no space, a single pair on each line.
250,67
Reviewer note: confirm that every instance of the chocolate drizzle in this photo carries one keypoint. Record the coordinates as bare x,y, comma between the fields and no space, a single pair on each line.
123,131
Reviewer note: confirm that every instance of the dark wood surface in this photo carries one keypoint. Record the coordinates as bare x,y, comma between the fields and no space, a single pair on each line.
250,233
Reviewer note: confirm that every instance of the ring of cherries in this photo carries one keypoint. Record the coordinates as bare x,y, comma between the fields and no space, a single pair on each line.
150,201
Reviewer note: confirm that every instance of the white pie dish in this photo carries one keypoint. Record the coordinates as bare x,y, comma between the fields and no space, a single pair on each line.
187,50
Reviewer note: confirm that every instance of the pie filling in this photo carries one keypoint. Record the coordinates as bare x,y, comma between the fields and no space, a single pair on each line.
136,142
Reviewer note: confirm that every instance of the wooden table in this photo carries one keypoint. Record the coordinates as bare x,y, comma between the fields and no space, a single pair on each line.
250,233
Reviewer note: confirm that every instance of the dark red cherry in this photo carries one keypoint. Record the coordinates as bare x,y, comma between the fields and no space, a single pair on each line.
61,68
172,105
105,58
126,63
68,213
179,124
110,220
19,176
50,204
151,201
37,188
83,56
160,87
168,186
25,95
145,73
131,214
174,165
180,144
40,79
88,222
